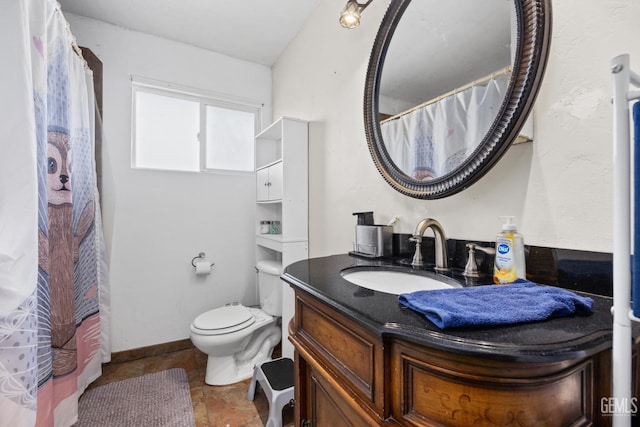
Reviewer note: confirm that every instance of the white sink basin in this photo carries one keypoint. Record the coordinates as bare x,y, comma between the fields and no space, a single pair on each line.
397,282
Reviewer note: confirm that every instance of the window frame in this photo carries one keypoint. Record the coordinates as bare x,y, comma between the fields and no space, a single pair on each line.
204,98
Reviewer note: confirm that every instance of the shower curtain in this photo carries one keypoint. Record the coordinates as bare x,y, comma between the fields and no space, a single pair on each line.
431,141
53,275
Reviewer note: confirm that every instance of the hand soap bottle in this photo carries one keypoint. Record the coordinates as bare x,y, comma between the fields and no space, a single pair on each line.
509,260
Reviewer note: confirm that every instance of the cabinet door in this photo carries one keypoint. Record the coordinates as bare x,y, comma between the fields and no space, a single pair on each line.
262,184
275,182
327,409
431,387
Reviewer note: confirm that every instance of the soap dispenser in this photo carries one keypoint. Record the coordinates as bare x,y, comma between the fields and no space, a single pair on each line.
509,260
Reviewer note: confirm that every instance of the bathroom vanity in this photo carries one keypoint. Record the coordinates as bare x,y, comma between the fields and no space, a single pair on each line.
362,360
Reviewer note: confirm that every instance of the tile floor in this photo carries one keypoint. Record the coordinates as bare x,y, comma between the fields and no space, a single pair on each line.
213,406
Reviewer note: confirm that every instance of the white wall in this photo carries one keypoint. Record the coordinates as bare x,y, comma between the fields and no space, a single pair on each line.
156,222
558,187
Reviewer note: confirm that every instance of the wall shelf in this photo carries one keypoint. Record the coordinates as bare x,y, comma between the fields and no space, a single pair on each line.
273,242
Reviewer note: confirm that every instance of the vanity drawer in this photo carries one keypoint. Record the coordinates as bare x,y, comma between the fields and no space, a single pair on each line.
343,348
431,392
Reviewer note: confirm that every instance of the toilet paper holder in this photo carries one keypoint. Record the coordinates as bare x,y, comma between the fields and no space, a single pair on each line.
199,256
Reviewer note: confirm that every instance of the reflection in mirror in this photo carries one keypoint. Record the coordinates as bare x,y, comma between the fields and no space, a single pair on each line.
449,86
443,81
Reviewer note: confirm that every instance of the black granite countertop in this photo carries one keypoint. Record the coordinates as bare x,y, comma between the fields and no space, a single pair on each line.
547,341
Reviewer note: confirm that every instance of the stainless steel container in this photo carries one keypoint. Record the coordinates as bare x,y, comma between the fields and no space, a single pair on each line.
373,240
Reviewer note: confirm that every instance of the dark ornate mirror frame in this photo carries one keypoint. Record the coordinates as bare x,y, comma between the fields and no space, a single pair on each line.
533,38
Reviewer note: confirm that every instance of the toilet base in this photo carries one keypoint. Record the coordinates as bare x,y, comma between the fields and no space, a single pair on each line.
224,370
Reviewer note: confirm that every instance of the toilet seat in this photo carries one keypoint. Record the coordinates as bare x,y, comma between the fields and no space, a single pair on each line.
223,320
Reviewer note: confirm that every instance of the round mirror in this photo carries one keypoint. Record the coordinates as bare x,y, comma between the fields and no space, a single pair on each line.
449,86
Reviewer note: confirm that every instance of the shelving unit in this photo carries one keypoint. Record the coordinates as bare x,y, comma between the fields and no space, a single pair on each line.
282,183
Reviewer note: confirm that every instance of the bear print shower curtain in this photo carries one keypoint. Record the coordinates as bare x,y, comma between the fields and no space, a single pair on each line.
53,277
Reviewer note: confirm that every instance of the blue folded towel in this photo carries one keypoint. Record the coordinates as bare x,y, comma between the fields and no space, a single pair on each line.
521,301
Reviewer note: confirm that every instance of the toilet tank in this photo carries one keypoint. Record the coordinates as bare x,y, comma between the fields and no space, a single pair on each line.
270,286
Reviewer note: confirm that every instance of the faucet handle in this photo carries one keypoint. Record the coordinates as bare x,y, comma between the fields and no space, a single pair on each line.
417,256
471,269
486,249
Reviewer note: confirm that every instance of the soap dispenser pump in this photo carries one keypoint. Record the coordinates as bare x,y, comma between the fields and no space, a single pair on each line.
510,259
364,218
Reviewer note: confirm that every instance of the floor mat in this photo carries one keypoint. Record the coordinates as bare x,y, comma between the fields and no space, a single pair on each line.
159,399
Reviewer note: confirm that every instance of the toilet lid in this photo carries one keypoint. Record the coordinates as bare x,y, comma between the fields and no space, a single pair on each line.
223,319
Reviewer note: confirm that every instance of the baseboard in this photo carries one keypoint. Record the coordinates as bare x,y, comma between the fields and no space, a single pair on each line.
151,350
164,348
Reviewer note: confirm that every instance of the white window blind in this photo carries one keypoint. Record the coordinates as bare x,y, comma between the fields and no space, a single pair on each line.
183,130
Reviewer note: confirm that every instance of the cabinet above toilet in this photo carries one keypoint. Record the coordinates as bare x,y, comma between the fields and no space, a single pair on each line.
282,182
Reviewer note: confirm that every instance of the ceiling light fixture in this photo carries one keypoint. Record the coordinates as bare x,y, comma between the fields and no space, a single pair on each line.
350,15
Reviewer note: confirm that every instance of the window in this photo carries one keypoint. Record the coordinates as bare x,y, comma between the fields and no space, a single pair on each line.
183,130
230,136
166,132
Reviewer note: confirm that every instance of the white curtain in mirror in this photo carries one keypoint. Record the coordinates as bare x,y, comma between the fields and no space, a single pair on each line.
433,140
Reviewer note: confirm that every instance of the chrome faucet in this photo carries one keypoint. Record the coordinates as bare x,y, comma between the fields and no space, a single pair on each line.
442,263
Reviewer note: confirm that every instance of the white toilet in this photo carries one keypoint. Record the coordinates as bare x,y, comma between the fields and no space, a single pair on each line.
236,337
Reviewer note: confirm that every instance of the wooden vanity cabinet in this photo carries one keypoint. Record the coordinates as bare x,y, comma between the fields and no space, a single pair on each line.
347,375
340,367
